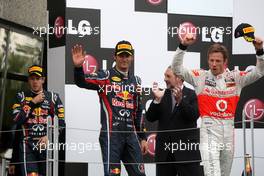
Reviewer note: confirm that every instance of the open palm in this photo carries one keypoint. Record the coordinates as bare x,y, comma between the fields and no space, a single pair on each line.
158,94
78,55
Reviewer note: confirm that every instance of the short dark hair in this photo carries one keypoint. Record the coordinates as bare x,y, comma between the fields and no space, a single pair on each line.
215,48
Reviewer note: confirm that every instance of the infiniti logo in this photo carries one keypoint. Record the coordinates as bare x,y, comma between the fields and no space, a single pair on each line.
38,127
124,112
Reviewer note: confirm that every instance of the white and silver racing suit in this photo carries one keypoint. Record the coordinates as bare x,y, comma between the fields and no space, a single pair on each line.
217,99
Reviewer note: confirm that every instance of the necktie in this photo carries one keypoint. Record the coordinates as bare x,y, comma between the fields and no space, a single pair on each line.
173,101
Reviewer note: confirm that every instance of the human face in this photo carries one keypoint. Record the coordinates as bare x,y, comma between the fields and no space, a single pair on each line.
216,63
36,83
171,79
123,61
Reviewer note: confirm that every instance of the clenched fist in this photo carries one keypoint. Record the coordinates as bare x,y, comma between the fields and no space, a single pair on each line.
188,40
258,43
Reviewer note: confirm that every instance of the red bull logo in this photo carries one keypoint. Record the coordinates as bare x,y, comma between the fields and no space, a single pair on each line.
39,112
125,95
123,104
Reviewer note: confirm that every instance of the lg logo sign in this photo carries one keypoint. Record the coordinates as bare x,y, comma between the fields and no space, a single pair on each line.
186,28
84,28
151,144
216,35
154,2
254,108
90,64
58,25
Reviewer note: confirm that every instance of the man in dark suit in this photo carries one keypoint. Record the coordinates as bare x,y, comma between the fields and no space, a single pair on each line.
177,145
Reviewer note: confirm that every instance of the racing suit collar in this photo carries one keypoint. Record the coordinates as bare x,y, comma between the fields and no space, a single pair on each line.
121,74
220,76
36,93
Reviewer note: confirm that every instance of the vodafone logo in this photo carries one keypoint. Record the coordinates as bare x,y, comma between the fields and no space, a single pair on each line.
59,27
256,107
151,141
90,64
154,2
221,105
186,28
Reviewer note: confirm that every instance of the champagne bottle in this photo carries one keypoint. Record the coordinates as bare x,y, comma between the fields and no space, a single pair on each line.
248,166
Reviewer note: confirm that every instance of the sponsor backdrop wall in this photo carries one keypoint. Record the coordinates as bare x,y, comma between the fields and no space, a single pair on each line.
152,26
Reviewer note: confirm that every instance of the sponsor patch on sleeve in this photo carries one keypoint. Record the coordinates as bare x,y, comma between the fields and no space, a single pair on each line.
242,73
15,106
61,115
28,98
26,108
61,110
196,72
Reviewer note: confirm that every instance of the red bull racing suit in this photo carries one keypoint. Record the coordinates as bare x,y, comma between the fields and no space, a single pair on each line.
33,120
217,99
121,118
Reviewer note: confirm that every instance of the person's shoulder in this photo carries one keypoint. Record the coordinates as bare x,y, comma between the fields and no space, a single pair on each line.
21,94
167,91
138,79
54,96
189,90
234,73
50,92
101,73
135,78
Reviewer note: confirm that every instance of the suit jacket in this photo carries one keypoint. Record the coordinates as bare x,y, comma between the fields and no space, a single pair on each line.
183,145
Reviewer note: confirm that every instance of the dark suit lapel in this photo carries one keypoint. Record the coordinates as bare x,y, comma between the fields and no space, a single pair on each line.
169,101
